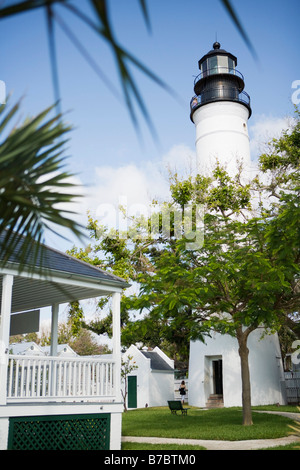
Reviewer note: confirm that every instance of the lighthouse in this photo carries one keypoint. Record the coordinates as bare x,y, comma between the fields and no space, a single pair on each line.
220,111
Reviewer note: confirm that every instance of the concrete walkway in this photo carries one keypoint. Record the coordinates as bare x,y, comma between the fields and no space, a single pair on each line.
217,445
225,445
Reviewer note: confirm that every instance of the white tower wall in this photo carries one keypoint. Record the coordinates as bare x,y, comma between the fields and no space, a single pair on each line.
222,135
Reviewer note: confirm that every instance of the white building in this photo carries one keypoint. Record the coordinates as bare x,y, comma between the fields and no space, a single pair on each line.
31,348
220,111
26,348
215,371
42,396
152,382
62,350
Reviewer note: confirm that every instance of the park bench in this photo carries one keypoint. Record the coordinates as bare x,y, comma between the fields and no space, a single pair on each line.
177,406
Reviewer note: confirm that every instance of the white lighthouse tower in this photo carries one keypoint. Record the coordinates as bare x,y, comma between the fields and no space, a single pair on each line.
220,111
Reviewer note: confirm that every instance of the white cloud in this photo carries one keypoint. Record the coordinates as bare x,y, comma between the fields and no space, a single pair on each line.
58,236
263,130
180,159
113,183
136,185
133,184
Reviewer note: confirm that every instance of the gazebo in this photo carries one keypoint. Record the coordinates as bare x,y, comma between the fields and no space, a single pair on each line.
57,402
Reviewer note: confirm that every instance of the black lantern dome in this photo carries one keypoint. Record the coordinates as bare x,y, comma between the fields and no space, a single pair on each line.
219,80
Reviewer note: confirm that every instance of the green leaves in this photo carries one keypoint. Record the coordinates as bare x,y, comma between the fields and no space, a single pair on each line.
246,273
218,192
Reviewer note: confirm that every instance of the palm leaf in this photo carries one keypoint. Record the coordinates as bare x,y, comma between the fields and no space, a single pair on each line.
33,184
105,31
233,15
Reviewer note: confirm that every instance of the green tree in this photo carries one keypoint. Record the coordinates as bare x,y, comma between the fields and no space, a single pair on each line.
83,343
127,367
64,335
246,273
86,345
28,337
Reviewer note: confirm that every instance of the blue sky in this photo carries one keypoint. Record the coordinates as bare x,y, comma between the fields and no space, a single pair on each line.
106,154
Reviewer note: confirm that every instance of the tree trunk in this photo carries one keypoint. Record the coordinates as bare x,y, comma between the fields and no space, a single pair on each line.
245,373
124,394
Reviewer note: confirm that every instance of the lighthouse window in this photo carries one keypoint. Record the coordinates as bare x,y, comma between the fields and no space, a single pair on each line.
213,65
223,63
230,64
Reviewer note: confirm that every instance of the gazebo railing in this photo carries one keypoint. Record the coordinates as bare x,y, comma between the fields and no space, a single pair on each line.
39,378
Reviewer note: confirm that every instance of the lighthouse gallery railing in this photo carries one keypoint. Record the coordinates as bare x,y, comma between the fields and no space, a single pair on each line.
220,94
218,70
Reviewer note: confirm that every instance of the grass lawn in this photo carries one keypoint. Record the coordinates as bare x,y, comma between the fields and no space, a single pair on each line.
215,424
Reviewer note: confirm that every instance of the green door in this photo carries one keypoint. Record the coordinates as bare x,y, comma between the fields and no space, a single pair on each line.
132,391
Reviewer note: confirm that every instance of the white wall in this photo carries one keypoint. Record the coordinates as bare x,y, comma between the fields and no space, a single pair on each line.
143,374
4,426
161,388
266,371
115,431
221,133
161,383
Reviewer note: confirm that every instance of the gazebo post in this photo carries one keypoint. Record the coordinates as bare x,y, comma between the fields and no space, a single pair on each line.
116,300
116,421
54,329
7,284
54,342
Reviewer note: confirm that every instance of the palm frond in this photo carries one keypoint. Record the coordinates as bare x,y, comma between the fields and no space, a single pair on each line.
104,30
33,184
53,58
233,15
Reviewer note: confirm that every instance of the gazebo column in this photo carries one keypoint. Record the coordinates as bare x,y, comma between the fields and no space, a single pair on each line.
7,285
54,329
54,341
116,300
